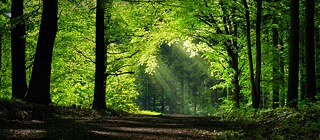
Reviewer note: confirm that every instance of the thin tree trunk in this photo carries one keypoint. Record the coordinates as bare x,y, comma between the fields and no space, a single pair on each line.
281,76
317,46
99,101
302,67
0,59
236,93
292,95
302,72
258,55
309,48
253,87
39,89
275,69
18,43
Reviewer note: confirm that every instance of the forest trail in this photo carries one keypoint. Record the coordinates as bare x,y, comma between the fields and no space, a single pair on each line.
142,127
20,120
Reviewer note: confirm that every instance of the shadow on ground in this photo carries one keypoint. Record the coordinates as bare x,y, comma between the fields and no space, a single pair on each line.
19,120
119,127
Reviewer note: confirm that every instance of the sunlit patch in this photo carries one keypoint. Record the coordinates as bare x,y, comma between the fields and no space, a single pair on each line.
138,132
160,131
101,132
180,84
34,122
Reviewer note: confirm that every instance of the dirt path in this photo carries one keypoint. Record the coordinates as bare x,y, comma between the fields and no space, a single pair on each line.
129,127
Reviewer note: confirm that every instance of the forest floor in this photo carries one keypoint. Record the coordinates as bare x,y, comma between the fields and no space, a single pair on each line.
26,121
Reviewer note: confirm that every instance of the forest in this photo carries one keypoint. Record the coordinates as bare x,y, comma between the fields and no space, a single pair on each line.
159,69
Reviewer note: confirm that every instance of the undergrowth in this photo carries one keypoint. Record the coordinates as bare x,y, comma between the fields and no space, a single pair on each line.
280,123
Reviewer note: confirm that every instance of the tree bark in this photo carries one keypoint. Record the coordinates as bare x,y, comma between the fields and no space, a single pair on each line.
293,77
275,69
18,44
258,56
281,76
302,71
236,93
39,89
99,101
317,60
253,87
309,48
0,58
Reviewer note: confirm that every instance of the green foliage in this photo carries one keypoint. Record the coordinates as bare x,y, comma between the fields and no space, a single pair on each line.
135,34
121,93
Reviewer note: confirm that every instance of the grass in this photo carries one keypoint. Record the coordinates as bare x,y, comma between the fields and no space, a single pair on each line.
147,112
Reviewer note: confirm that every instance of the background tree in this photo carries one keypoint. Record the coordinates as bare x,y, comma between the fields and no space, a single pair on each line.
258,55
18,44
0,57
309,49
276,67
39,88
292,95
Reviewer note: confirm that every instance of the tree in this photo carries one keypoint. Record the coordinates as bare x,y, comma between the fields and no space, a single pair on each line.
99,101
235,65
293,77
258,55
18,43
0,57
275,69
281,76
39,89
309,49
253,86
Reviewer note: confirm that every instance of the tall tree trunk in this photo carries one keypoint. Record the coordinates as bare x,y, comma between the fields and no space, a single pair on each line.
236,93
99,101
275,69
317,44
302,71
0,58
253,87
310,64
302,66
18,44
281,76
258,55
39,89
293,77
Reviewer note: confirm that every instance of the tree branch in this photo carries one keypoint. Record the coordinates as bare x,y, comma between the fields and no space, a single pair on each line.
88,58
117,74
